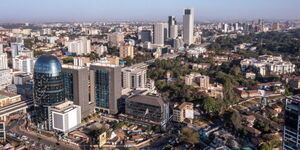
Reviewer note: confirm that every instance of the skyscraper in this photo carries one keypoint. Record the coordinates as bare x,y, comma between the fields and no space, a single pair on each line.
173,28
291,135
76,84
188,26
48,87
159,32
105,86
173,31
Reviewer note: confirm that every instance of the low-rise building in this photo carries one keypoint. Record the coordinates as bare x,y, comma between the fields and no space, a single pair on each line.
268,65
64,117
152,109
183,111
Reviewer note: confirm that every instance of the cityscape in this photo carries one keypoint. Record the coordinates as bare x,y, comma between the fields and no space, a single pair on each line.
169,77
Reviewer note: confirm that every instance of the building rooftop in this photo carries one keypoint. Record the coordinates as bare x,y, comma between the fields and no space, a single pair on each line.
4,94
147,99
184,104
72,67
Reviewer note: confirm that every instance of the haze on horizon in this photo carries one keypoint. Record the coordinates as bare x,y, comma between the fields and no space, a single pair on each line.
144,10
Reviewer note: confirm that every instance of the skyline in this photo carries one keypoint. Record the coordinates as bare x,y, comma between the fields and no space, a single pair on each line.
155,10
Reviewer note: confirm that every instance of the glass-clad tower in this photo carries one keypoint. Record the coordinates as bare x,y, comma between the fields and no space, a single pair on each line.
48,86
291,135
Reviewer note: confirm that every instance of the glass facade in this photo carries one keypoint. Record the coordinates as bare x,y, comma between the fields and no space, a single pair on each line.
48,86
68,83
48,89
102,88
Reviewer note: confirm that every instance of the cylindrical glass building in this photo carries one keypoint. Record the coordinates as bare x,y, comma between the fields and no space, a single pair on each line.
48,85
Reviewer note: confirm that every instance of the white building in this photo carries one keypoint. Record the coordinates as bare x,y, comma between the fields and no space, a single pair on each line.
100,50
79,46
16,48
196,52
188,26
24,64
3,59
268,64
5,78
65,117
159,32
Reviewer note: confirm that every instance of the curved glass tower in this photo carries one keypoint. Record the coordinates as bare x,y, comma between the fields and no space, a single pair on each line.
48,85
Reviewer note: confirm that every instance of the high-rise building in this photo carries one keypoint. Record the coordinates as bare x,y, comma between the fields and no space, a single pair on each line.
16,48
276,26
171,22
126,50
48,87
291,134
79,46
146,35
159,32
105,86
3,58
188,26
173,31
134,78
23,63
76,83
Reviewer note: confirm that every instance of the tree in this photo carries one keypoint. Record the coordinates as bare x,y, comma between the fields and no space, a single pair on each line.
67,60
189,135
236,119
210,106
265,146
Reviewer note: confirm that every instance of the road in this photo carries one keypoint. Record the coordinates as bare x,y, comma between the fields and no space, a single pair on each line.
15,127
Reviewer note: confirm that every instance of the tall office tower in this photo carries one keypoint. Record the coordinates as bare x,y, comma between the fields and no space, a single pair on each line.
23,63
291,134
3,58
146,36
76,82
171,22
16,48
261,25
159,32
166,31
276,26
126,50
173,31
105,86
188,26
48,88
134,78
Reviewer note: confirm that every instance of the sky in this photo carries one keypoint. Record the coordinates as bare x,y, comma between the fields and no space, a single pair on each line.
144,10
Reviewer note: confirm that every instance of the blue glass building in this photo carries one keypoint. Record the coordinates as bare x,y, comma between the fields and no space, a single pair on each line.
48,85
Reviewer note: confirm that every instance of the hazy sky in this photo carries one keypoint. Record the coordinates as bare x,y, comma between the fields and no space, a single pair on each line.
98,10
